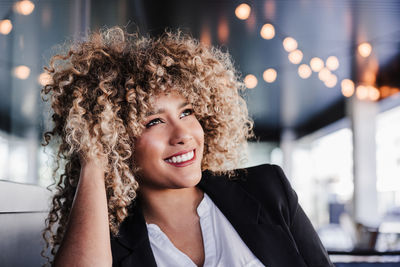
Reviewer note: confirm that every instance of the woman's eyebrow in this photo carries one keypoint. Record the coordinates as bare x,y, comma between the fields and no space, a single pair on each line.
162,110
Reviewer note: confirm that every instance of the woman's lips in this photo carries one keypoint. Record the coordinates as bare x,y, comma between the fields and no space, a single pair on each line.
183,163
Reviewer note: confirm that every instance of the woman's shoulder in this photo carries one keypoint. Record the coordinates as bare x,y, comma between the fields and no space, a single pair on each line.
266,182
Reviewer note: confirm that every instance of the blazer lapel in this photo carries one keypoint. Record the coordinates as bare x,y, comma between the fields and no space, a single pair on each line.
133,235
267,240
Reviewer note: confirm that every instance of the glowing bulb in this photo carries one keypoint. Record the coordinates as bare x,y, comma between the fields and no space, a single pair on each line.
373,93
362,92
304,71
22,72
243,11
324,74
365,49
24,7
5,26
332,63
316,64
267,31
269,75
347,87
250,81
289,44
45,79
331,81
295,56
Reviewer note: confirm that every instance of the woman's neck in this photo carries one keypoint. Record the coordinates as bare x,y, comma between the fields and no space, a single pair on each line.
171,207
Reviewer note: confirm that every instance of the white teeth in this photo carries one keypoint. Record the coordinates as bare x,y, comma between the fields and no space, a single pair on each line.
182,158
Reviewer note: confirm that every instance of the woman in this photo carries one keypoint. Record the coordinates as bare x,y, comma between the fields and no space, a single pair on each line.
149,130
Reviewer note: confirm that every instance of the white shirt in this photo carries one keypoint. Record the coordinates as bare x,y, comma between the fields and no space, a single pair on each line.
222,244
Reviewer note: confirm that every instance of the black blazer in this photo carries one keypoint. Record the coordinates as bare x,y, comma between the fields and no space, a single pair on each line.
260,205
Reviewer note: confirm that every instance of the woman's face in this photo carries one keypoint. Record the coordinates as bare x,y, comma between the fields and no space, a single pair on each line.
170,148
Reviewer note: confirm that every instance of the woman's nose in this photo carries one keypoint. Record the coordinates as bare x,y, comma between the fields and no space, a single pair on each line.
180,134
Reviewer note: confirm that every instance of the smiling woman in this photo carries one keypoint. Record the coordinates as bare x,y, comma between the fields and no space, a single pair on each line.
150,130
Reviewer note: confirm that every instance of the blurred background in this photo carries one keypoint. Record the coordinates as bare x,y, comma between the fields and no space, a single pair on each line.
323,79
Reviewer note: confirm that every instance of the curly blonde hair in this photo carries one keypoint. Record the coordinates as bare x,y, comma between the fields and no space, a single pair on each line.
100,93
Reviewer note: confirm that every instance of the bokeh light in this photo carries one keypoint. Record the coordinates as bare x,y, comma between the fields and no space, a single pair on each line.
331,81
373,93
44,79
250,81
5,26
295,56
304,71
347,87
22,72
242,11
362,92
316,64
364,49
267,31
332,63
289,44
324,74
24,7
269,75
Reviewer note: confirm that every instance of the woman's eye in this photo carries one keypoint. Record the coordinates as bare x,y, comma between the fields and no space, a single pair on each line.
153,122
187,112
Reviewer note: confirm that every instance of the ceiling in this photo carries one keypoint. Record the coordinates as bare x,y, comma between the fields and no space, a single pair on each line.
321,27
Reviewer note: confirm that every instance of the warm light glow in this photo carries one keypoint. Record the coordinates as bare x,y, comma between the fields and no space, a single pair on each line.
373,93
289,44
295,56
22,72
223,31
332,63
316,64
365,49
267,31
304,71
269,75
250,81
362,92
243,11
324,74
385,91
45,79
331,81
24,7
347,87
5,26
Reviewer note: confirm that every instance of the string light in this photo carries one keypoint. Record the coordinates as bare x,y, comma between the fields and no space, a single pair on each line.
5,26
24,7
267,31
250,81
324,74
304,71
332,63
290,44
373,93
331,81
242,11
295,56
269,75
362,92
22,72
347,87
45,79
364,49
316,64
